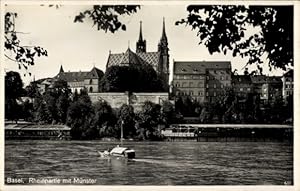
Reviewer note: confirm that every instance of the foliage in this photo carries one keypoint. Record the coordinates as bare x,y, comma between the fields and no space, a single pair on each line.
23,55
104,120
133,78
32,90
79,119
148,120
27,111
82,97
12,110
106,17
168,113
185,106
53,106
223,28
13,91
126,118
13,85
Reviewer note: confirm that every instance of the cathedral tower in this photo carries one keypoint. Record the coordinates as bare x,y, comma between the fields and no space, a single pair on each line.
141,44
163,67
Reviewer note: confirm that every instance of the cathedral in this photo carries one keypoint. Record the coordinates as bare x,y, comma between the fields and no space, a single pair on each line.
159,60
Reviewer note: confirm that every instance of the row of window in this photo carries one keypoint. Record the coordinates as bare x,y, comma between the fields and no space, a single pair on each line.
289,93
188,77
216,86
216,78
200,84
197,77
190,84
219,72
191,93
289,86
243,89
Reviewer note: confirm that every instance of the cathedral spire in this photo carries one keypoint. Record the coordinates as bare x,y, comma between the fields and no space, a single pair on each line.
164,36
163,43
141,34
163,66
61,70
141,43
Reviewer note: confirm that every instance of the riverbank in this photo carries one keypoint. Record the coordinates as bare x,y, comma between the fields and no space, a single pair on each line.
176,132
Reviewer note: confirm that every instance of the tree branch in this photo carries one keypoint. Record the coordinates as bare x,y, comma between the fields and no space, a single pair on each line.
10,58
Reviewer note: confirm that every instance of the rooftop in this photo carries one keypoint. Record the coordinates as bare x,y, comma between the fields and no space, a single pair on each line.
130,57
198,67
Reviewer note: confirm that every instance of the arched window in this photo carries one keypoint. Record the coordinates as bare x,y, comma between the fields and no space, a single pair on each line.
91,81
91,89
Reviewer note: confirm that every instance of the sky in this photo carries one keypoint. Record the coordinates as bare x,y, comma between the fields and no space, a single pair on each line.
80,47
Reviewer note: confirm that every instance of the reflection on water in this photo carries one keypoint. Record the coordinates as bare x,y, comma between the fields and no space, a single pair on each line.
156,163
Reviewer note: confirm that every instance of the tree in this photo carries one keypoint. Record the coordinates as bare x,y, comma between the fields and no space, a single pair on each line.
168,112
13,91
223,28
133,78
126,119
106,17
104,120
13,85
54,103
27,111
32,90
42,114
21,54
148,120
79,118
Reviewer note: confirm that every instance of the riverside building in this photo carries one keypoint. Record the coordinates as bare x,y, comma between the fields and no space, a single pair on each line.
202,81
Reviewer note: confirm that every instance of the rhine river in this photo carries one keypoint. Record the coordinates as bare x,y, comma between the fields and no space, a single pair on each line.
156,163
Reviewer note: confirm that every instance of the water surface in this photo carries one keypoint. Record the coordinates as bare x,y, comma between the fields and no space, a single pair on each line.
156,163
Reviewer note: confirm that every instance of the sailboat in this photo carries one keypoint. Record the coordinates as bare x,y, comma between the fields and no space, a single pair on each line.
119,151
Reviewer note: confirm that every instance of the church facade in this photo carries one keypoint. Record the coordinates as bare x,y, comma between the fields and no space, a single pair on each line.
159,59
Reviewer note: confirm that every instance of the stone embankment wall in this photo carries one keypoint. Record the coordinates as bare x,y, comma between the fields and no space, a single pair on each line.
116,99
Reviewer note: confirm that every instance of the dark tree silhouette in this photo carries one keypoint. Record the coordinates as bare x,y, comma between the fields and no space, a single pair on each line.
223,28
106,17
13,91
126,119
14,50
133,78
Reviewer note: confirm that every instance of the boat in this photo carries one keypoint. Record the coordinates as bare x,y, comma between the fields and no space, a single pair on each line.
119,151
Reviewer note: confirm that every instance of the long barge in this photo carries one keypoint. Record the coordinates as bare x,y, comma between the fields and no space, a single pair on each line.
228,132
36,131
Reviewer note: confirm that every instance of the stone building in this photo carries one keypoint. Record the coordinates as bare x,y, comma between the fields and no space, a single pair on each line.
77,81
202,81
287,84
159,59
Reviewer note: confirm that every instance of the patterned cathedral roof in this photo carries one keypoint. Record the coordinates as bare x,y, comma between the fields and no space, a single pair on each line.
130,57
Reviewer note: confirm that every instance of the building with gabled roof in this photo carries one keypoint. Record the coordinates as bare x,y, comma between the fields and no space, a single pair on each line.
159,60
89,80
203,81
